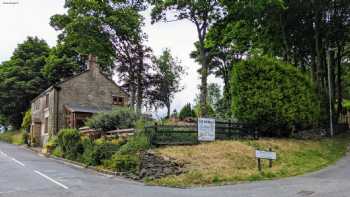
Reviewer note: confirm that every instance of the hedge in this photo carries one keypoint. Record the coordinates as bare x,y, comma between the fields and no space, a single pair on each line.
270,93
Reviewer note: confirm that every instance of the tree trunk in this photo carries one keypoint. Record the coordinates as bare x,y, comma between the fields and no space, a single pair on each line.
204,80
132,89
139,82
339,83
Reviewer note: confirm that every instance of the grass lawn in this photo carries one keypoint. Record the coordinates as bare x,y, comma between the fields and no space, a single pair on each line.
224,162
14,137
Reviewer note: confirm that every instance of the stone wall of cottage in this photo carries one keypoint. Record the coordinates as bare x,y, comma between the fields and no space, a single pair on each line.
91,88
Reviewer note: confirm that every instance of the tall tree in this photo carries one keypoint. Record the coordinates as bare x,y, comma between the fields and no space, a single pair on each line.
21,79
202,13
111,30
166,80
92,27
62,62
301,33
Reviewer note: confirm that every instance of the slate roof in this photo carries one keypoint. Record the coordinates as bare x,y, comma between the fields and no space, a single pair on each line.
76,107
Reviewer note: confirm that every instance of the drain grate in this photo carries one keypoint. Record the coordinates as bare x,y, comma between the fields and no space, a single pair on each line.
305,193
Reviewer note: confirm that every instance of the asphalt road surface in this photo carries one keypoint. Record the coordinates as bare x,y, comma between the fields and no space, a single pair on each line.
24,173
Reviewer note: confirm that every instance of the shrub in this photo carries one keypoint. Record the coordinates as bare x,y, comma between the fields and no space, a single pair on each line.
266,91
96,152
51,144
69,142
118,118
135,144
14,137
7,136
57,152
27,119
187,112
127,158
125,162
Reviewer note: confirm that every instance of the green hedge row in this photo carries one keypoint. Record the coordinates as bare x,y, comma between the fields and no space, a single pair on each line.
116,154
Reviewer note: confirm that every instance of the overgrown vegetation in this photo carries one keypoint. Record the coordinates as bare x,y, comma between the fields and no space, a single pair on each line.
14,137
69,143
234,161
114,154
118,118
273,94
187,112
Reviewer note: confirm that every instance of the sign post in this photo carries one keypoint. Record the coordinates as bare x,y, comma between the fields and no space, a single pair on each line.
206,129
269,155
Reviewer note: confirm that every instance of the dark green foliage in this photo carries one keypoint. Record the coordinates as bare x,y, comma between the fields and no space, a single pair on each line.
268,92
127,158
21,79
69,142
135,144
187,112
96,27
62,62
125,162
95,152
118,118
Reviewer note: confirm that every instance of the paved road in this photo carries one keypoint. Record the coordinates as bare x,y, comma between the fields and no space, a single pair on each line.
24,173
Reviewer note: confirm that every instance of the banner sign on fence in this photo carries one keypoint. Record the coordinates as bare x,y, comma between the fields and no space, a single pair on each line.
265,155
206,129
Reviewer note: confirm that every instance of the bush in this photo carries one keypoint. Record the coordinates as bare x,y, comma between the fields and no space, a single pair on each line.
125,162
187,112
27,120
127,158
51,144
14,137
268,92
69,142
96,152
57,152
135,144
119,118
7,136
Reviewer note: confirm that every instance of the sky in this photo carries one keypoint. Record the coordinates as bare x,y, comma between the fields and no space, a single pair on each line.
22,18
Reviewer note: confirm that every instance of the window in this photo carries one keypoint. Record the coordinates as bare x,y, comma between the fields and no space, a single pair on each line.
117,100
47,101
46,125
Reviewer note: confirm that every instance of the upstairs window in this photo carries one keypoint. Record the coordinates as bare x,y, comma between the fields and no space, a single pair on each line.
117,100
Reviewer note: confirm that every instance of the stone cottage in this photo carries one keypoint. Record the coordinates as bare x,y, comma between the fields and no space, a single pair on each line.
69,103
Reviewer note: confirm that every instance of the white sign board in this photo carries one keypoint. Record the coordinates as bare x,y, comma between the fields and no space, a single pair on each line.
265,155
206,129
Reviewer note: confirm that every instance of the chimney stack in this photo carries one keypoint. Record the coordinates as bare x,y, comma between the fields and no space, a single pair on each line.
91,64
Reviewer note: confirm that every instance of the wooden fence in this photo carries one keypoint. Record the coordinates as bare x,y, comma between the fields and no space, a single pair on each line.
95,134
188,134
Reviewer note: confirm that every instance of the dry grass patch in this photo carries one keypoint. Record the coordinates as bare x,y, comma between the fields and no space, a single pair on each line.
223,162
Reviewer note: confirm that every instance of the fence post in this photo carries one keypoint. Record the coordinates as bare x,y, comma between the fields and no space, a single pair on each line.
155,131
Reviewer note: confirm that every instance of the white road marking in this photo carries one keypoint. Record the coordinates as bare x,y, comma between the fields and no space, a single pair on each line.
18,162
50,179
